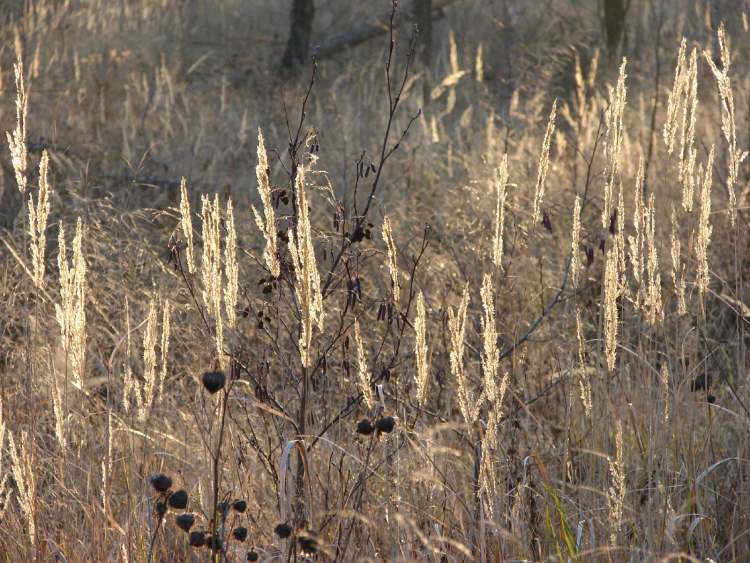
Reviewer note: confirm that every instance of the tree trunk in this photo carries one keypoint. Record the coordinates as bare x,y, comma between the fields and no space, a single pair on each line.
614,26
300,30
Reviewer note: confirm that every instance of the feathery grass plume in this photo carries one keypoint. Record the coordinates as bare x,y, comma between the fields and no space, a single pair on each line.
616,491
613,141
703,236
186,224
307,278
575,242
231,269
456,331
453,53
654,311
488,482
670,128
583,380
664,384
211,269
146,396
620,244
687,146
266,223
23,467
543,165
728,122
165,331
392,260
420,350
682,107
479,64
58,411
611,315
501,181
38,222
71,311
490,353
637,242
580,82
153,378
678,267
363,370
17,140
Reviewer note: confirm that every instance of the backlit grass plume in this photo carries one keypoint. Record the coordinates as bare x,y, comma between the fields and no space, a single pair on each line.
307,278
392,261
71,311
186,225
420,350
728,119
211,269
38,213
17,140
500,184
613,117
456,331
267,222
543,166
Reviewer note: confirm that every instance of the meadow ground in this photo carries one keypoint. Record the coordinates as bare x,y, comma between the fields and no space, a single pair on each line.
491,308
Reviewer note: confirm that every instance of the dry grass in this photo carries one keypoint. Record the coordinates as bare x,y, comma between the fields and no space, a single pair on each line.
509,327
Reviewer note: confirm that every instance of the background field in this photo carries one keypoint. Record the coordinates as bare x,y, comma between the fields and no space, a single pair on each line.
560,338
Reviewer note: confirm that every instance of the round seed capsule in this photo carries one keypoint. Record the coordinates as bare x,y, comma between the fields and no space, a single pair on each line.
178,499
214,381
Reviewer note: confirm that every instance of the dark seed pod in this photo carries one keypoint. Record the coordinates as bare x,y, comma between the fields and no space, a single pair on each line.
223,508
240,506
185,521
589,256
240,533
161,482
308,543
364,426
283,530
385,424
252,556
178,499
546,221
197,539
214,381
161,508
